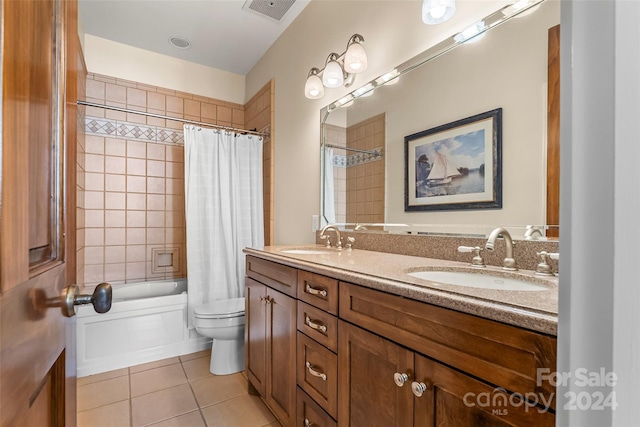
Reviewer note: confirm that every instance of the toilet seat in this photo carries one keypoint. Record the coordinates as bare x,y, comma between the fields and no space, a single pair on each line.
220,309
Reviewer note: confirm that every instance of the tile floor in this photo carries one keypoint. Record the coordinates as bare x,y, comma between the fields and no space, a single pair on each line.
174,392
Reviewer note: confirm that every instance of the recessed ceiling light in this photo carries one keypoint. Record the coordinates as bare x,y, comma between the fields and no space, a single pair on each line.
179,42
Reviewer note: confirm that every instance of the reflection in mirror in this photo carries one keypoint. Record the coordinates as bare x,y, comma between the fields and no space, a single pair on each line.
363,133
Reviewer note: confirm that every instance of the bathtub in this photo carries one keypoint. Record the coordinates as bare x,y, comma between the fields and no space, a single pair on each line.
147,322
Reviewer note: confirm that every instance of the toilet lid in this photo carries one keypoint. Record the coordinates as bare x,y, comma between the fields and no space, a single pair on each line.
233,307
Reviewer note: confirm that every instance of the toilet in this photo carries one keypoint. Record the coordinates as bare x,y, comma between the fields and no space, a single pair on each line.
223,320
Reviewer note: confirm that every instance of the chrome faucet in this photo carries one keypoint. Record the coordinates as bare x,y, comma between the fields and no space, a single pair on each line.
509,262
323,236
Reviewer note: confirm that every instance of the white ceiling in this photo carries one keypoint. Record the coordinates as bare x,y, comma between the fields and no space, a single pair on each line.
222,34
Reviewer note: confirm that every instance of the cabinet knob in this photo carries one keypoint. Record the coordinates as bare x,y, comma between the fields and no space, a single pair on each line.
400,378
313,371
308,423
418,388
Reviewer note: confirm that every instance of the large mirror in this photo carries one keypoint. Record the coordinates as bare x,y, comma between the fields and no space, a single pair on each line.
504,68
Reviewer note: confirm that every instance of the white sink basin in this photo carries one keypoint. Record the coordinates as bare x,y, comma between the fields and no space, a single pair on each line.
305,251
477,280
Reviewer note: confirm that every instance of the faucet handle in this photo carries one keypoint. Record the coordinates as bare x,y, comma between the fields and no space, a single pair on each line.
554,255
477,260
325,237
350,240
543,268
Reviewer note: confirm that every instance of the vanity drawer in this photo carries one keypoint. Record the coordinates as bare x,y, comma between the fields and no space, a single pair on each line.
319,291
318,373
277,276
504,355
319,325
311,414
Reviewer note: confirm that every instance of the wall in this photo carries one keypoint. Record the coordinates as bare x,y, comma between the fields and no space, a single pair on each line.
134,178
365,173
80,173
130,63
305,44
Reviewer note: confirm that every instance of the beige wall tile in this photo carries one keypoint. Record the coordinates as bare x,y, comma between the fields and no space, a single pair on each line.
155,218
116,93
136,167
156,101
135,271
155,236
94,163
175,153
136,219
94,218
115,200
94,200
94,255
175,105
136,253
94,273
115,183
192,108
114,219
136,97
115,165
155,151
156,185
94,144
95,89
155,168
136,184
94,181
94,236
155,202
114,254
115,237
136,236
115,147
114,272
137,202
137,149
208,111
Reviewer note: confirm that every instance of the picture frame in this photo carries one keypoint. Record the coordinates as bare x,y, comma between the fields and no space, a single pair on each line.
455,166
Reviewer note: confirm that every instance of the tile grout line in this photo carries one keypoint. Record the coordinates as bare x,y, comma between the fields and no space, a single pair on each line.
130,399
193,393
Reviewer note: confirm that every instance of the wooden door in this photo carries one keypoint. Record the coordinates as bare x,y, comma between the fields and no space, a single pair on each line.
255,334
454,399
37,386
281,356
368,395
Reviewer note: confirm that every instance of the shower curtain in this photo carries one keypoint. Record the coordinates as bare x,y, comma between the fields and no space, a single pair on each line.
328,193
224,211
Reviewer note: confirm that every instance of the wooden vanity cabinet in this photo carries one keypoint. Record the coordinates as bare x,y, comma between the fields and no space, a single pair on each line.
270,336
377,378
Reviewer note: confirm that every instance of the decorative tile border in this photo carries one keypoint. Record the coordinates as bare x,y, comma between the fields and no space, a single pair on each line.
357,159
132,131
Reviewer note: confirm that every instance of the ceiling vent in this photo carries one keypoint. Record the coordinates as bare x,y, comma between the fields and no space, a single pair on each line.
272,9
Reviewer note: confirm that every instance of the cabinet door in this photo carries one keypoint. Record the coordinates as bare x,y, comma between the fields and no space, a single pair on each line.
366,367
454,399
281,356
255,330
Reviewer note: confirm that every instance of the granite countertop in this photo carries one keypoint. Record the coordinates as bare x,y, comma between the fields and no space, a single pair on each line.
534,310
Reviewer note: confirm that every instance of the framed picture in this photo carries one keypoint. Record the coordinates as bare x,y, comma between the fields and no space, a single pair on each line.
455,166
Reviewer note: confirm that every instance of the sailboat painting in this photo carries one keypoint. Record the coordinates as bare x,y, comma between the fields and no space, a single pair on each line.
445,166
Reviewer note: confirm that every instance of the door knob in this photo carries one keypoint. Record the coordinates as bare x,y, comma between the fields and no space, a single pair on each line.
71,297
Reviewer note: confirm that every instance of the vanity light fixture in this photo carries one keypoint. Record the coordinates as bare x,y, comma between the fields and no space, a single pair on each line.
472,33
339,69
437,11
390,78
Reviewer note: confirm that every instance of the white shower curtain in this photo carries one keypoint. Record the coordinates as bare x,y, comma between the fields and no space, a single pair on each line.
224,211
328,193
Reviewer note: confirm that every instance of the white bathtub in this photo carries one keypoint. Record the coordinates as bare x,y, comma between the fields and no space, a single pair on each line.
147,322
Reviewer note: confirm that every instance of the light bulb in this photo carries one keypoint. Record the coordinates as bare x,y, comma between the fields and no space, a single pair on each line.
355,59
437,11
313,88
333,76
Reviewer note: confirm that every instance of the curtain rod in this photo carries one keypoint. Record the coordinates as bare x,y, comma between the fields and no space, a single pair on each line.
160,116
375,153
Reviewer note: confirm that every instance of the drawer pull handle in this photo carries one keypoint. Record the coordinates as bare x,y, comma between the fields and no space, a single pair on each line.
418,388
318,326
314,372
317,292
308,423
400,378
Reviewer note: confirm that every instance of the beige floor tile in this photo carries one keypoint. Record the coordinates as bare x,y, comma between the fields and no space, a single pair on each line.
93,395
197,368
192,419
162,405
245,411
113,415
103,376
219,388
153,365
197,355
157,379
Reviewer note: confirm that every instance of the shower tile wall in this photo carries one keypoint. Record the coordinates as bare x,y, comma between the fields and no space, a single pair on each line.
259,114
80,173
365,176
134,184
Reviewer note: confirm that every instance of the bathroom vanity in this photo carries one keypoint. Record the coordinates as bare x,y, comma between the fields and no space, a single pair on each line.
350,338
